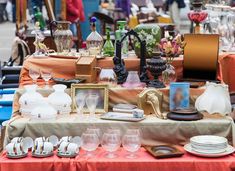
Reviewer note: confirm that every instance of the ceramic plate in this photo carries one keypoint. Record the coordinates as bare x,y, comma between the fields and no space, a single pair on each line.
54,140
208,140
228,150
42,155
66,155
27,142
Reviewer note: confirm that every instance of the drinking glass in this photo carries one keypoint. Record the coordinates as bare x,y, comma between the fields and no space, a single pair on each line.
111,142
115,131
80,99
94,130
89,142
91,102
46,76
34,74
131,143
134,131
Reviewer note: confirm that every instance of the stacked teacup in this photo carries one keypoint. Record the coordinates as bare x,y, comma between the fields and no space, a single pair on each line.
209,144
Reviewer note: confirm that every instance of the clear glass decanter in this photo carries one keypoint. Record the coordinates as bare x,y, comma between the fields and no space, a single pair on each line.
94,41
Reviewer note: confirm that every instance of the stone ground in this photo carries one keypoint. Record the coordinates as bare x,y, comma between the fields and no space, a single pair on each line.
7,33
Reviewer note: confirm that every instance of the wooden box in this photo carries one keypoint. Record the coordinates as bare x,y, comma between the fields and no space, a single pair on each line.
86,68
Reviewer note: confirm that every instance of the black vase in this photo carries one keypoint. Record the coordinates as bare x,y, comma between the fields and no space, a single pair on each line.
155,66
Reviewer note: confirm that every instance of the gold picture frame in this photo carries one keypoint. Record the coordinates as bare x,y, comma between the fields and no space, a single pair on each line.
101,89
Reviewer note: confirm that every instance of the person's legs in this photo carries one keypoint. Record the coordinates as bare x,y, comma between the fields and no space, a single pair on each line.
73,28
175,14
2,11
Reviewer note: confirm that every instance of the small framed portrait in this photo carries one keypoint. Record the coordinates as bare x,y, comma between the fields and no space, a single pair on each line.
179,96
90,96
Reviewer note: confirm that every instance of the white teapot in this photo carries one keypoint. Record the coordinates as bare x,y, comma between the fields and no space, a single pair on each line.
215,99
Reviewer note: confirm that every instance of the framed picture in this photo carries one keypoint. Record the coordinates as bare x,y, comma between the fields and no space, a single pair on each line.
179,96
100,90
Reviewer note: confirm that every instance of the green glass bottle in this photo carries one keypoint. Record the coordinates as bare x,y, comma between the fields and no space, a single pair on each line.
39,18
108,49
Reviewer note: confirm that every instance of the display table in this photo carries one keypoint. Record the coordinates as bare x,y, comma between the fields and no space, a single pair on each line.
154,130
144,162
65,68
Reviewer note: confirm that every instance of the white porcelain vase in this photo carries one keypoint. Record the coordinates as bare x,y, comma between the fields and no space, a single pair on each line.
215,99
60,100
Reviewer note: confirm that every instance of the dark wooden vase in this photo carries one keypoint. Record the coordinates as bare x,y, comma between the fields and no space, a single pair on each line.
155,66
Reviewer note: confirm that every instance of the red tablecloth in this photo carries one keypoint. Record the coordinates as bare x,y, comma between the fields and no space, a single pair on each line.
144,162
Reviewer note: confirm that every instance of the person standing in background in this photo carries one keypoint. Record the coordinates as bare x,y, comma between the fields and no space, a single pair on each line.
75,13
174,8
32,4
3,13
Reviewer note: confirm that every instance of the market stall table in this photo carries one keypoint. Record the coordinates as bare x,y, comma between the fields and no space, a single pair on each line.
65,68
99,163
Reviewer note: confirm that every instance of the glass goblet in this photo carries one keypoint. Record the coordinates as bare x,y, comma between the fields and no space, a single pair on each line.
131,143
80,100
133,131
91,102
111,142
46,76
34,74
89,142
94,130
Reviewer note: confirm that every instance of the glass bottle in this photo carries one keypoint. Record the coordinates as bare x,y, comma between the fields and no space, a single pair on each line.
94,41
108,49
119,35
39,18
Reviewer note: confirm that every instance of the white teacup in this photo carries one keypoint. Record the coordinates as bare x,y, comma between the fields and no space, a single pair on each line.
47,148
63,146
38,145
72,148
18,149
39,140
17,140
66,139
10,148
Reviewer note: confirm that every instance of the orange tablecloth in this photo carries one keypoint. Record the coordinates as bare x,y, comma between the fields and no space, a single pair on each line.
144,162
65,68
227,70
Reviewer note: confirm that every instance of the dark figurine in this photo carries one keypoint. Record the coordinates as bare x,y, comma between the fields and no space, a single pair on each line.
119,68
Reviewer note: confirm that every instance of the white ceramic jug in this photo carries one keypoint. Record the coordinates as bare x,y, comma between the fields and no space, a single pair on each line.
215,99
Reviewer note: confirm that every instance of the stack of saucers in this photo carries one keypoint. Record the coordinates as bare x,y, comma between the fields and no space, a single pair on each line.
209,146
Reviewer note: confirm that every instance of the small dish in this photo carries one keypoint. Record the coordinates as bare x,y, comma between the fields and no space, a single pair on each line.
164,151
68,82
17,156
63,155
42,155
121,117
